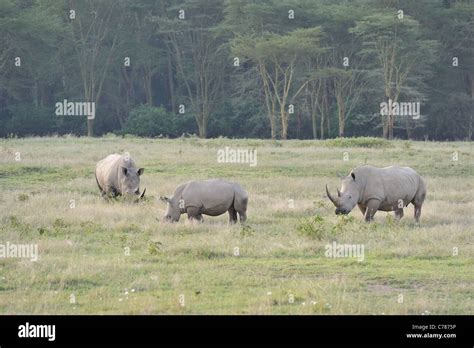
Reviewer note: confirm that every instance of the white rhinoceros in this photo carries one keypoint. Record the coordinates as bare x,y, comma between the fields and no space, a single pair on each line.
387,189
209,197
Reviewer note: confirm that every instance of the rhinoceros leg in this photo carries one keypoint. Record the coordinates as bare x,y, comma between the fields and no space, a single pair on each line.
232,215
417,212
194,214
242,216
240,205
399,213
418,202
372,207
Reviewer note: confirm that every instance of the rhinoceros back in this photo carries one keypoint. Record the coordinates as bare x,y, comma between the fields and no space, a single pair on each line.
213,196
391,185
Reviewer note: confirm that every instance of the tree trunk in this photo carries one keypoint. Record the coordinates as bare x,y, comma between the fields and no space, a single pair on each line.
341,115
90,127
202,126
326,111
322,124
272,126
284,123
171,84
386,120
385,127
314,123
390,127
201,120
147,86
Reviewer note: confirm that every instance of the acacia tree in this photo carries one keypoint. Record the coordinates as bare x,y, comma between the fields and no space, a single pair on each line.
197,46
95,30
278,59
347,81
398,53
316,95
348,85
140,62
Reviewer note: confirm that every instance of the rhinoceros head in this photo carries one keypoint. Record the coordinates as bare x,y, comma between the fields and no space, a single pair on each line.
347,197
130,182
173,213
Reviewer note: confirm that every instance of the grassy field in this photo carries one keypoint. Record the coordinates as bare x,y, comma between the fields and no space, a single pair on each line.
116,258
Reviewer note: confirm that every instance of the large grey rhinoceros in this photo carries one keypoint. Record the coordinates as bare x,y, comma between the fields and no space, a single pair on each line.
387,189
117,175
209,197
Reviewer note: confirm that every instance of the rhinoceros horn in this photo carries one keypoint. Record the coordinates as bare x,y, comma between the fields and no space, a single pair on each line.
334,200
143,193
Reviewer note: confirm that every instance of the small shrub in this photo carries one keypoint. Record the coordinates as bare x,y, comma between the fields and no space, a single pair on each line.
407,145
154,247
23,197
130,229
59,223
42,230
246,230
21,227
342,224
203,253
313,227
90,227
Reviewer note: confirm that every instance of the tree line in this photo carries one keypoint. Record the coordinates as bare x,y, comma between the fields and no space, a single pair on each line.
239,68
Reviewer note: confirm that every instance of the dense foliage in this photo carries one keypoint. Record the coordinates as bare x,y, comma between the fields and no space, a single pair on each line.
252,68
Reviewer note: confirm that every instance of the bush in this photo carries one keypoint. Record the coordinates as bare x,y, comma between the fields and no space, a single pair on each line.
27,120
313,227
358,142
150,121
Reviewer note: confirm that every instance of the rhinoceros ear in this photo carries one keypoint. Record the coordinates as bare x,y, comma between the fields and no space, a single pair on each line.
353,176
164,199
124,170
140,171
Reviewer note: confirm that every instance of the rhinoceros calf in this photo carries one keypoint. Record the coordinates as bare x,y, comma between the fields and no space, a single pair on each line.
210,197
387,189
117,175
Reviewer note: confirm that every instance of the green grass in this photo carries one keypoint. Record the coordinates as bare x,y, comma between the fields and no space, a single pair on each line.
118,258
